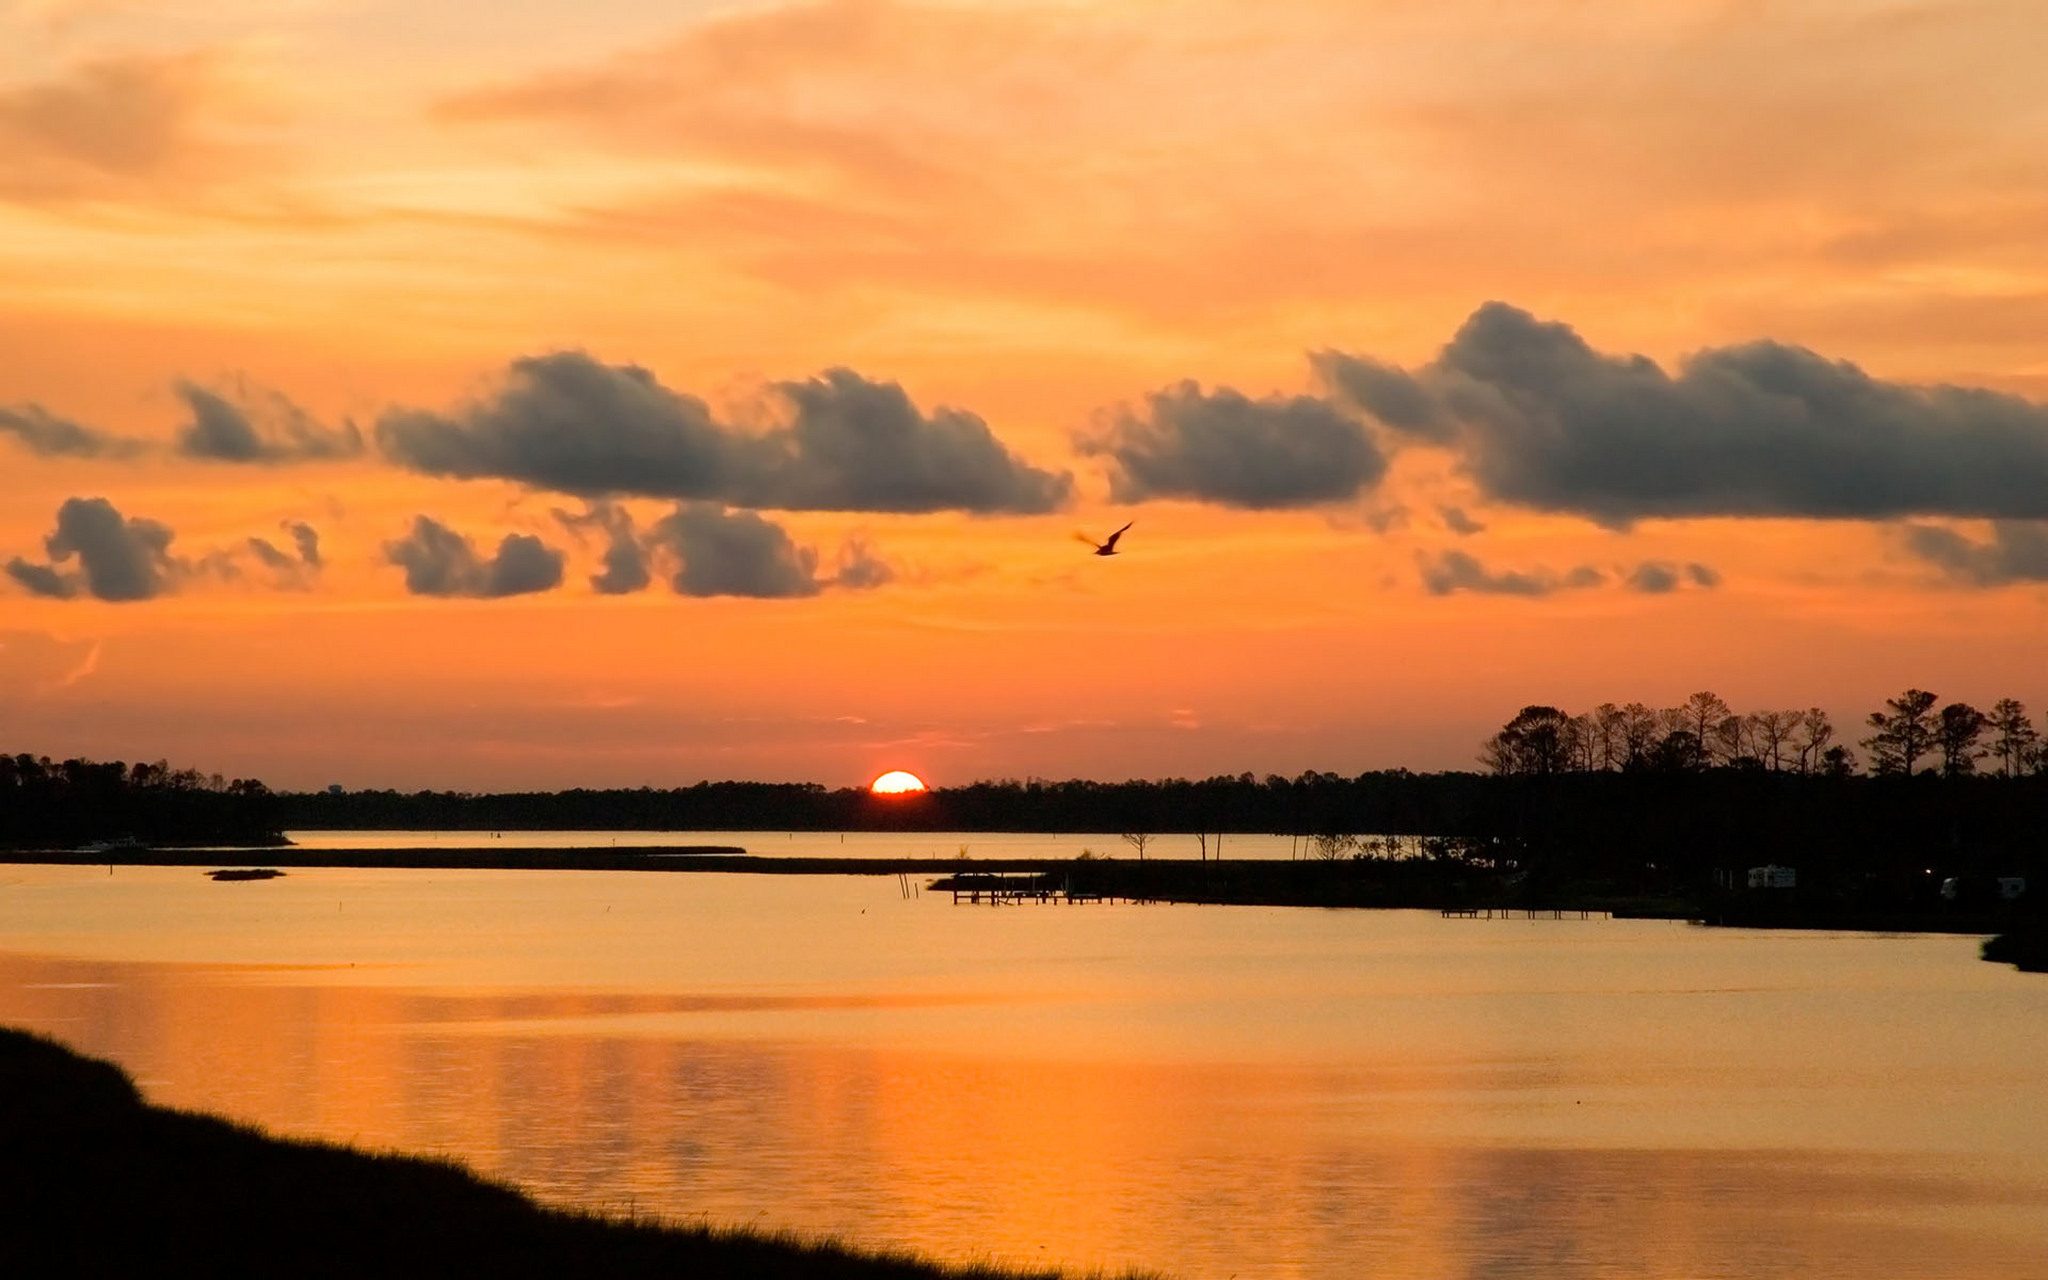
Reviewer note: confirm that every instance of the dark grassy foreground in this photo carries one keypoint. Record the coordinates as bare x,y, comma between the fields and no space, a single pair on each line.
101,1184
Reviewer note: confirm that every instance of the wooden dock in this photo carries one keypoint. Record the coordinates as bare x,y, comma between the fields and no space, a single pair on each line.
998,888
1524,913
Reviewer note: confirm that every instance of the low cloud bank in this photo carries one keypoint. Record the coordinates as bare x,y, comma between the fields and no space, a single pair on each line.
1452,571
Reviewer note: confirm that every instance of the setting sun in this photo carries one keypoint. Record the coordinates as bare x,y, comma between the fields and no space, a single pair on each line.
896,782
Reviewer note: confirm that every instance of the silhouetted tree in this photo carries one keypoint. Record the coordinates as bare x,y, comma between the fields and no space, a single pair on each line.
1815,732
1610,736
2016,736
1331,846
1679,752
1538,740
1138,840
1731,742
1640,731
1701,716
1585,743
1899,738
1772,732
1957,732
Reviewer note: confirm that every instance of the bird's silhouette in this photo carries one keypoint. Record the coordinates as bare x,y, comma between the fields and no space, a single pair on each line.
1108,547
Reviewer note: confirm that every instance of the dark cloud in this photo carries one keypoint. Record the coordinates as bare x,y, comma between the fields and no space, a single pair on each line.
1543,420
625,555
441,562
719,552
307,540
569,423
1652,578
1387,393
2017,552
852,444
118,558
48,436
734,553
1458,522
625,568
295,568
1227,448
1703,575
271,557
258,427
42,579
523,564
1452,571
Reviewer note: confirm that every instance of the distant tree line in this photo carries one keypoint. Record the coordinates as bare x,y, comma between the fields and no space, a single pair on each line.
1644,801
48,803
1705,733
1309,803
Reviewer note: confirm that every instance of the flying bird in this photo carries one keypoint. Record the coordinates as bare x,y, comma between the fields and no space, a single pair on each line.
1107,548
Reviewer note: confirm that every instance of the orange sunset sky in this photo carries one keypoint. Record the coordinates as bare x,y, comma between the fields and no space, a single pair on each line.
605,393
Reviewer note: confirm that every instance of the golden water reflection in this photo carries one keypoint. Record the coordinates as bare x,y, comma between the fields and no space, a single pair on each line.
1212,1092
1204,1169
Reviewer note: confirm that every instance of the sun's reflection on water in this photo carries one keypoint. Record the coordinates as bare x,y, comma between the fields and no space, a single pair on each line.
1336,1096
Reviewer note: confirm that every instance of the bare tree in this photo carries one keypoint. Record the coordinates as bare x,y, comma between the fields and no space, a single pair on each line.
1815,732
1771,732
1498,754
1138,840
1585,743
1610,736
1640,728
1702,714
2016,735
1734,740
1331,846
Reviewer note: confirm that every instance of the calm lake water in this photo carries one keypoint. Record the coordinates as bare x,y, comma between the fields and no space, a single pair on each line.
1210,1091
937,845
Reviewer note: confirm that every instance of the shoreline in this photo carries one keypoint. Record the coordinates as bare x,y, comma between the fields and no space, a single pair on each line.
1413,884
